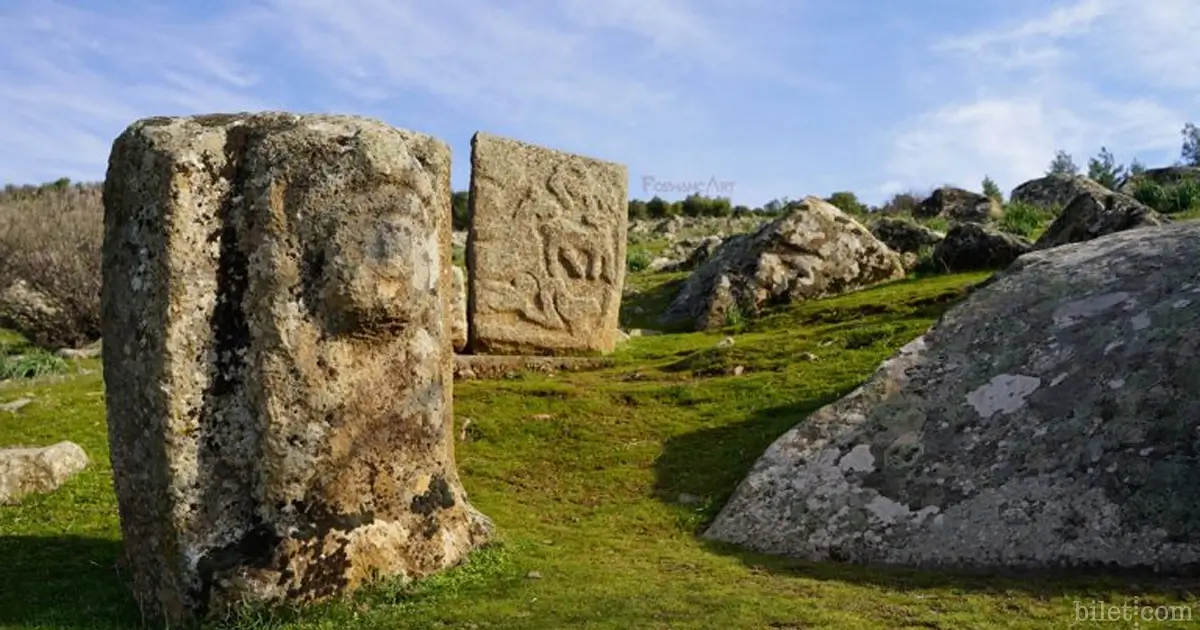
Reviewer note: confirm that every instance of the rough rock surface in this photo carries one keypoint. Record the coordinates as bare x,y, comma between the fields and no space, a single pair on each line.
904,236
974,246
33,470
1051,419
815,251
458,309
1055,191
1091,215
277,362
546,251
959,205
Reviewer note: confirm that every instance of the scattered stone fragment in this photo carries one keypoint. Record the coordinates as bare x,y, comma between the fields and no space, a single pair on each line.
38,470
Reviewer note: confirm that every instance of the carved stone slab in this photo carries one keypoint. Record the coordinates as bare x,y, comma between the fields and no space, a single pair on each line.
546,249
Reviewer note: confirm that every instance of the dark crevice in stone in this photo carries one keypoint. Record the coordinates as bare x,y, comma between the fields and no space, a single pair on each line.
438,496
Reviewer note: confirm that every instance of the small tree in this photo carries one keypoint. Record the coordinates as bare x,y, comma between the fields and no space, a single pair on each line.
991,190
1104,169
1191,145
657,207
460,212
847,202
637,209
1136,168
1062,164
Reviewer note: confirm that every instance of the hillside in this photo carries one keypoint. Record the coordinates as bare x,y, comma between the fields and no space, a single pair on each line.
598,481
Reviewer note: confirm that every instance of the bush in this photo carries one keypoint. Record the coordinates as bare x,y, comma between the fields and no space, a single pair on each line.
1150,193
1182,197
1173,199
902,203
637,260
1024,219
848,202
50,247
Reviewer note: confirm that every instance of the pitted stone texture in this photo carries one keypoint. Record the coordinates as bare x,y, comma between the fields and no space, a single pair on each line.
546,250
974,246
35,470
904,236
958,204
458,309
1051,419
815,251
277,358
1090,215
1055,191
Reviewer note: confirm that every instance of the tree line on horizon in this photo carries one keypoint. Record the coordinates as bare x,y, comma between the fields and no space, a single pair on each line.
1102,168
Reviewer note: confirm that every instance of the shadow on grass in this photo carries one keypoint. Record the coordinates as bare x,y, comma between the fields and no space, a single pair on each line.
709,464
642,309
66,582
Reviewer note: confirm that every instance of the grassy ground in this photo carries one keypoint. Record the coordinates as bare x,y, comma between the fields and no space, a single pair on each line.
598,484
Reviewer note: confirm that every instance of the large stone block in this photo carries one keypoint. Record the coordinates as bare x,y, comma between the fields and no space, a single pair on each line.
546,249
277,358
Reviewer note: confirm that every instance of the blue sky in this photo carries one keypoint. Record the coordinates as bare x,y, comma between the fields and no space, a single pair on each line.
775,97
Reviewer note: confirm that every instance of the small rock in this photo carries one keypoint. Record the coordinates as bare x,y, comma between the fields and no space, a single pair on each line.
89,352
541,416
725,343
808,356
737,371
14,406
462,433
38,469
534,575
688,499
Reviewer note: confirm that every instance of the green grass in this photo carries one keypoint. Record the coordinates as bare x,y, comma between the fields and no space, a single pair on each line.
1026,220
19,360
583,474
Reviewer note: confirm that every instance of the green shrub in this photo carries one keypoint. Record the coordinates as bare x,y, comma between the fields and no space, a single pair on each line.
1150,193
1173,199
1182,197
1024,219
50,241
637,260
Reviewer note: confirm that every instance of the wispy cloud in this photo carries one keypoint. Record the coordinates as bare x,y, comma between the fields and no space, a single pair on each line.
71,79
1077,76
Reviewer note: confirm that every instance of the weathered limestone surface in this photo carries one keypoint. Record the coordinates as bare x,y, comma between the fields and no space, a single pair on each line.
1051,419
1090,215
34,470
277,359
546,249
816,251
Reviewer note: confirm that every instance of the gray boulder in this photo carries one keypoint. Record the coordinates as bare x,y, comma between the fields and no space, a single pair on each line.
959,204
1051,419
1055,191
904,236
973,246
815,251
1091,215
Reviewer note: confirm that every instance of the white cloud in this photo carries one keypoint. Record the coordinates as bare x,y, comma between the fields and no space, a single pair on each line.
1082,75
71,80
